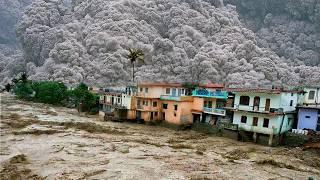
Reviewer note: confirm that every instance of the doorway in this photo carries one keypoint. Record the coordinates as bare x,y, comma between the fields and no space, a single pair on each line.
256,103
267,107
196,118
151,116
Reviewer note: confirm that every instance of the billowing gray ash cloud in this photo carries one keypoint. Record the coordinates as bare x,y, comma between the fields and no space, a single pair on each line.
184,40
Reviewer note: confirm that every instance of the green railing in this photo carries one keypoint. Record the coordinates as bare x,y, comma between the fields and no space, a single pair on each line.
210,94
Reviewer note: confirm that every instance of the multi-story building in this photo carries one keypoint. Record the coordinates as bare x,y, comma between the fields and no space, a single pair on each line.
264,111
208,103
309,109
166,102
120,100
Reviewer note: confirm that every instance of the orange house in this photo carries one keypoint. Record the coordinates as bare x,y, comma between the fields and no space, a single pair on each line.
164,102
176,104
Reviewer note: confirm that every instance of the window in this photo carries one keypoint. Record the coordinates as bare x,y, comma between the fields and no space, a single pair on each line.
205,103
209,104
311,95
146,90
244,100
154,104
182,91
146,103
139,102
167,90
255,121
119,100
175,107
243,119
291,103
174,114
165,106
266,123
141,89
291,94
308,117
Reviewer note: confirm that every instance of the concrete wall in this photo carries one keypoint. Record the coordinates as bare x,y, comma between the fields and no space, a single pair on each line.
274,122
309,123
316,99
276,101
180,116
198,103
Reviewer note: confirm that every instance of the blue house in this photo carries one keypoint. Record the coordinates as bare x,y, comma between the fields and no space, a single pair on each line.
309,110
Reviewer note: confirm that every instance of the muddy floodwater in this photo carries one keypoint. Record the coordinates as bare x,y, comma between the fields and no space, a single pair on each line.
40,141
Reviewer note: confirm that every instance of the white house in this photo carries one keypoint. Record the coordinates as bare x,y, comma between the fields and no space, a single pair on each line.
117,98
264,111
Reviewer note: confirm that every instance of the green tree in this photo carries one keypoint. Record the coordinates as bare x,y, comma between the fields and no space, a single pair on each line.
50,92
24,90
83,99
134,56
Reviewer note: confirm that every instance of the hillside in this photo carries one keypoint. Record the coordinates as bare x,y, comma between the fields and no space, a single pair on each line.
184,40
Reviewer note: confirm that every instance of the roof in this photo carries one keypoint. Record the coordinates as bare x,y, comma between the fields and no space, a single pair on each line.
163,84
258,90
310,106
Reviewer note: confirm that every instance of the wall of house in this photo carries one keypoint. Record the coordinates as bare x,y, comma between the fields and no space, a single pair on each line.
276,101
182,115
198,103
316,98
286,99
157,91
307,118
274,122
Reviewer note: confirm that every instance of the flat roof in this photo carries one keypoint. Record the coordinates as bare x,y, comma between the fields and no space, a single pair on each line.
163,84
258,90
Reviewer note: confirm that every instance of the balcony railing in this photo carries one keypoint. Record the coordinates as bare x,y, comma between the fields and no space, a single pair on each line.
210,94
220,112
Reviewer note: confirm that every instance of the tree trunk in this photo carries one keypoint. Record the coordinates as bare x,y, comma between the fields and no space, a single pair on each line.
132,71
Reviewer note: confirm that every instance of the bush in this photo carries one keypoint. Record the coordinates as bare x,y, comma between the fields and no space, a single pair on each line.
50,92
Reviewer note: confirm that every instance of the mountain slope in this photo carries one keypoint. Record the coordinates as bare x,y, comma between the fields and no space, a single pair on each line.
184,40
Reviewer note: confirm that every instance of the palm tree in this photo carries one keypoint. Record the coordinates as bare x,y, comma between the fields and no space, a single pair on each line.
135,55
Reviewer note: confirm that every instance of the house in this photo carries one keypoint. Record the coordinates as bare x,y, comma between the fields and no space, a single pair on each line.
208,103
164,102
118,100
309,109
261,113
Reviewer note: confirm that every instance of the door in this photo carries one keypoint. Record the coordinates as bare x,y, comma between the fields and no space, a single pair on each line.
112,100
267,107
138,114
163,116
151,115
196,118
256,103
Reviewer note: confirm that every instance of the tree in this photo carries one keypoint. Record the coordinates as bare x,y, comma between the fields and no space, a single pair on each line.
8,87
83,99
50,92
134,56
23,90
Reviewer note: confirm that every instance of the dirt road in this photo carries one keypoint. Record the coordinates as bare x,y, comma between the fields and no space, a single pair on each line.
39,141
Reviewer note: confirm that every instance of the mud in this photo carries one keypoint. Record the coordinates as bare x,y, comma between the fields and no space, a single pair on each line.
40,141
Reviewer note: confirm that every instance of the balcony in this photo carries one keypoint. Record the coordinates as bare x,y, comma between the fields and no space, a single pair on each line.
210,94
175,98
220,112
